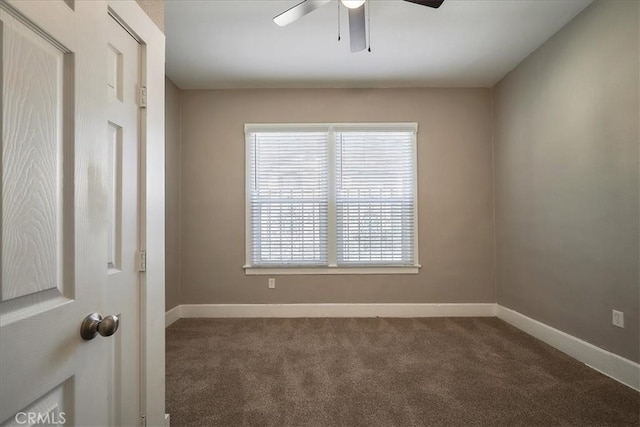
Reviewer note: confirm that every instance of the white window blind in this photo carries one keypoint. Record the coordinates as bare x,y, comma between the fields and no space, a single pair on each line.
375,196
288,198
324,197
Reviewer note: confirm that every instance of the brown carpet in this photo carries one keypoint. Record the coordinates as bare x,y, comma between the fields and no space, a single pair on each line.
381,372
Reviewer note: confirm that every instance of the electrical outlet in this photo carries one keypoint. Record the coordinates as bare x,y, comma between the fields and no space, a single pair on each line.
618,319
272,283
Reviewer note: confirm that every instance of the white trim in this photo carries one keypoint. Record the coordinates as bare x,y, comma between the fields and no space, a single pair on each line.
416,229
171,316
620,369
268,271
330,128
247,197
372,127
335,310
325,127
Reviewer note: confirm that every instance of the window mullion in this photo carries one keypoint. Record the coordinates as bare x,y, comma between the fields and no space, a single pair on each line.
331,172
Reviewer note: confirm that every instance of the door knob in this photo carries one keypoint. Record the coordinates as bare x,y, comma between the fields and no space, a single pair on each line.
94,324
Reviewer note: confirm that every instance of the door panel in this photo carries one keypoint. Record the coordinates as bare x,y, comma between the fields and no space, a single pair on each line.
114,181
32,167
54,240
32,160
51,409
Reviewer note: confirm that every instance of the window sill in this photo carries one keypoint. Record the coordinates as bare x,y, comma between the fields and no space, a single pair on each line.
266,271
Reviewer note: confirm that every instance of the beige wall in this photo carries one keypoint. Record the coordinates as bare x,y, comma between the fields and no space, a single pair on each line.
455,194
155,10
566,165
172,194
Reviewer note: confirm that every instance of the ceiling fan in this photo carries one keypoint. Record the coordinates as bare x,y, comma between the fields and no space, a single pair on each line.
357,21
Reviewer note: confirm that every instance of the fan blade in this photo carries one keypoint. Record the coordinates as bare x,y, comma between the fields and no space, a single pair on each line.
298,11
357,29
429,3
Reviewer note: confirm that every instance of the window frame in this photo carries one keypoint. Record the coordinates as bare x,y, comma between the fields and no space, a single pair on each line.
331,129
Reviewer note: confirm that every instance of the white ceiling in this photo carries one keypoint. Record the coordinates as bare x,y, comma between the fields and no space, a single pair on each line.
473,43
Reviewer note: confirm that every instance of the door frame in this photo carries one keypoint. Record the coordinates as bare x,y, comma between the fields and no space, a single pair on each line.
152,201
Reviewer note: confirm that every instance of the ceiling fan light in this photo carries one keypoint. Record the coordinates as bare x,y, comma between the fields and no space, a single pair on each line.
352,4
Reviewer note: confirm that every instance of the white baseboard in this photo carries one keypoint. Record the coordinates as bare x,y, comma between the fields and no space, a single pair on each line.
612,365
172,315
338,310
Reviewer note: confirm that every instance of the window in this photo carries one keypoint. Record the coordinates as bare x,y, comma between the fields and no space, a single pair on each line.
328,198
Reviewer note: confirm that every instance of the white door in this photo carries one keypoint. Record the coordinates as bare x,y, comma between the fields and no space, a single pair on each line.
54,199
123,232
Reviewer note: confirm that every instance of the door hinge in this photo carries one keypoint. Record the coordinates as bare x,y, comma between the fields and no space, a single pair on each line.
142,95
143,420
142,260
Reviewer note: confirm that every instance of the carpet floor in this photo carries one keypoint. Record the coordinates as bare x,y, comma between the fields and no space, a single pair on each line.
381,372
